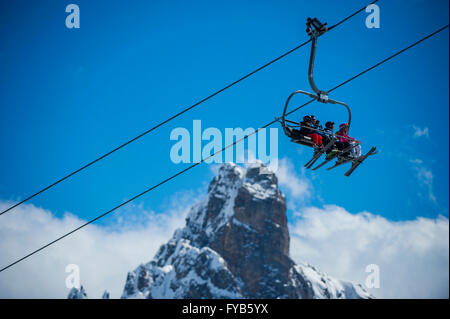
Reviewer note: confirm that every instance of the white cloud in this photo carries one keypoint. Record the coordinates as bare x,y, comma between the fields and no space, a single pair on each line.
214,168
416,161
419,132
425,177
104,253
296,185
413,256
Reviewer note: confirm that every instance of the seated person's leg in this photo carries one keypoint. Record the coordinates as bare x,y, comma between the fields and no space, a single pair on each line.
315,138
358,151
346,145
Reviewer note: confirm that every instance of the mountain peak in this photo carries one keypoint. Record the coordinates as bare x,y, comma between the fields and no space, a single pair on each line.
235,244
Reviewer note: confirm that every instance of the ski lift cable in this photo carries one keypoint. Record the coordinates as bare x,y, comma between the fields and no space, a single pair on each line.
174,116
220,151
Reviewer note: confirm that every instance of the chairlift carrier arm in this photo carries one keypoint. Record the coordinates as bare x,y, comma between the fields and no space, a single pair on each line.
314,28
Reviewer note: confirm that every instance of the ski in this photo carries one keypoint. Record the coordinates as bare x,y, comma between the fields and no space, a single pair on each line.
339,163
334,156
323,163
359,160
319,153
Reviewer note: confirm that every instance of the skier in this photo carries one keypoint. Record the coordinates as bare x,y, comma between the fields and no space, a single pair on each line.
316,124
345,141
307,129
328,134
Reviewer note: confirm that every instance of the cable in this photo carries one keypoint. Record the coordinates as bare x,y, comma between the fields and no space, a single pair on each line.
350,16
220,151
392,56
172,117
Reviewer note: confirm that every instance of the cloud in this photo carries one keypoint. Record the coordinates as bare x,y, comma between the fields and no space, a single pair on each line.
413,256
416,161
425,177
104,254
419,132
296,185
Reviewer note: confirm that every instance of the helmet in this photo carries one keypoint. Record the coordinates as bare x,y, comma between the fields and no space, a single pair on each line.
329,124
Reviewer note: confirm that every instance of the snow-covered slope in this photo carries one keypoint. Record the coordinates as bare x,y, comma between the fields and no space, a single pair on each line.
76,293
326,287
189,271
235,245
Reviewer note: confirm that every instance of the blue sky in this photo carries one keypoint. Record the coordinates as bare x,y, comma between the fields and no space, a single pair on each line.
68,96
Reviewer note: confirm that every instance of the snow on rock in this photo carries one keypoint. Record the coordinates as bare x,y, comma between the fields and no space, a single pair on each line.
324,286
76,293
188,272
235,244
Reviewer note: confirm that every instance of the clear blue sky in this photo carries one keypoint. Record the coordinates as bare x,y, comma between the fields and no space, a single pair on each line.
68,96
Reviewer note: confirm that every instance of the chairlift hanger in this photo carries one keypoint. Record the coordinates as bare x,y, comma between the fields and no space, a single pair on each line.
314,28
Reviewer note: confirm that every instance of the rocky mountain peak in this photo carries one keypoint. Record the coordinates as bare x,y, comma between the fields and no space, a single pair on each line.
235,245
